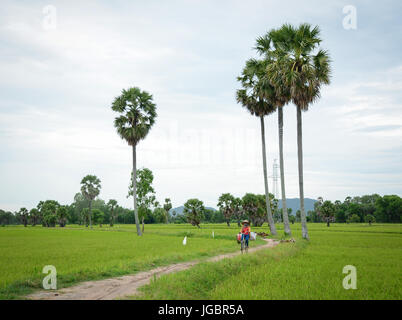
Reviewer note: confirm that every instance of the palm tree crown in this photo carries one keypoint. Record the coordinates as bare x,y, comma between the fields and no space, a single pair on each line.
300,65
257,94
112,204
90,186
138,113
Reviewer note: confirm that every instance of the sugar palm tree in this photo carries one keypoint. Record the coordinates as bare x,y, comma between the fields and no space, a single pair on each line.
167,206
302,67
112,206
23,216
90,188
226,206
256,96
34,216
282,96
137,113
62,215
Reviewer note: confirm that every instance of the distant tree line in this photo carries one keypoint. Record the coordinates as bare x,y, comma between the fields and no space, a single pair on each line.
88,209
49,213
367,208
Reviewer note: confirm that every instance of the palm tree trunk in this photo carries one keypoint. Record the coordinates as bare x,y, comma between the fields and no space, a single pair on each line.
282,169
90,214
135,191
264,163
300,162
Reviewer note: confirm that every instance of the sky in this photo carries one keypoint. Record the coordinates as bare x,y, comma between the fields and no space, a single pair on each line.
63,62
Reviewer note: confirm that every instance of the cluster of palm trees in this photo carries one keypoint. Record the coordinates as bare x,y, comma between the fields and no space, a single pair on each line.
48,213
291,69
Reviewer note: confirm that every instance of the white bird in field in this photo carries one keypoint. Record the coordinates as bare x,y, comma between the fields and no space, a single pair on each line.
213,234
185,241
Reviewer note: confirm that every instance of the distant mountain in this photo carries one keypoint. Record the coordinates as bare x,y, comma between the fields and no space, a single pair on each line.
294,203
179,210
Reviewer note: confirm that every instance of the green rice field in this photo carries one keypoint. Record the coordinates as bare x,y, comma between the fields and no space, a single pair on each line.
301,270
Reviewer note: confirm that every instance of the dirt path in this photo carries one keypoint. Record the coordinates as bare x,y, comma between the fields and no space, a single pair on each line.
120,287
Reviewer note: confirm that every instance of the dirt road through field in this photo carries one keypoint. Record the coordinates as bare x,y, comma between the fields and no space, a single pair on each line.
120,287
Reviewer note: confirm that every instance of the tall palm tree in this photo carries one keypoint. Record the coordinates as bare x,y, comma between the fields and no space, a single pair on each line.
256,97
90,188
303,67
137,115
265,47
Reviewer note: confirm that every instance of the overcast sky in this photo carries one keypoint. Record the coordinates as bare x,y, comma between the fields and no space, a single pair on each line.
62,66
